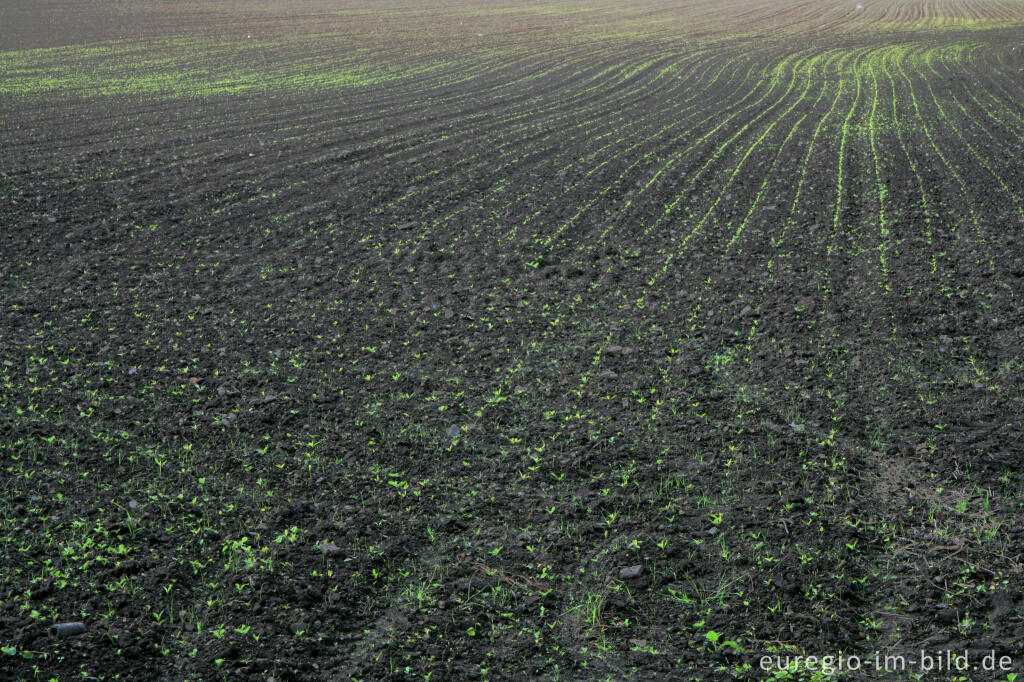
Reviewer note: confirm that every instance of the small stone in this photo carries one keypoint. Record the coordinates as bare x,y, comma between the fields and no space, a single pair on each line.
747,310
946,616
133,505
67,630
453,431
608,374
630,572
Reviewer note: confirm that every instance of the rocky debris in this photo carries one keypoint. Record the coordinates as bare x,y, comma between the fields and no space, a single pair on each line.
67,630
631,572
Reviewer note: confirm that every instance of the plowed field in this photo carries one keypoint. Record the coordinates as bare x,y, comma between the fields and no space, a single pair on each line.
509,340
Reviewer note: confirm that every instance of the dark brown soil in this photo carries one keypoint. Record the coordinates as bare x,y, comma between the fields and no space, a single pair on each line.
486,342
